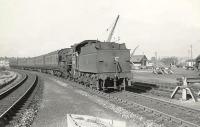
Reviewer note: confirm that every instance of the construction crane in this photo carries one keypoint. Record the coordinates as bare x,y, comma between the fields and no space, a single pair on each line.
133,52
112,30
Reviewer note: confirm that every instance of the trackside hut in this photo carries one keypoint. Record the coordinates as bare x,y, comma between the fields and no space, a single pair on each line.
139,60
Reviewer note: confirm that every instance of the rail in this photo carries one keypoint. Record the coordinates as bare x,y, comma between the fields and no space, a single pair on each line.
170,104
128,103
22,80
16,93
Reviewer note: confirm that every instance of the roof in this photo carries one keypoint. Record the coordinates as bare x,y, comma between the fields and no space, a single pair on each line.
138,58
77,47
198,58
190,60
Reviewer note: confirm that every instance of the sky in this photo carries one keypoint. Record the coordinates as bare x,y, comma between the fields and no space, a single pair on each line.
34,27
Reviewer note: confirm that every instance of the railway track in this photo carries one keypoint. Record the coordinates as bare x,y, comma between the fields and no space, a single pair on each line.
21,76
152,91
9,82
13,96
162,112
173,113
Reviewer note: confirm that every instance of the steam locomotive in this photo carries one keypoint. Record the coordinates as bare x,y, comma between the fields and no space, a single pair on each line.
96,64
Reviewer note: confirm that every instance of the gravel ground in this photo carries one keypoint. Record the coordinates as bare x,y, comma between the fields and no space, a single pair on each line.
29,109
11,84
6,76
60,99
165,78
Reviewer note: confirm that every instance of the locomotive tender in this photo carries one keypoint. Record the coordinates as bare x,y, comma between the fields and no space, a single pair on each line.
100,65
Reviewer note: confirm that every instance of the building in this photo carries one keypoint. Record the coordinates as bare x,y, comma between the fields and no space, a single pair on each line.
139,61
190,62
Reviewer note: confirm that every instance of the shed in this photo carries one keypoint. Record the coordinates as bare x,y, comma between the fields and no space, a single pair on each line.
139,60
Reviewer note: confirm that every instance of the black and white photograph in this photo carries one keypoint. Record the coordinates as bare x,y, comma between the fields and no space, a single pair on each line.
99,63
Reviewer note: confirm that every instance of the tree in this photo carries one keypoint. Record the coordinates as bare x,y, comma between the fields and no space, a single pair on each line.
170,60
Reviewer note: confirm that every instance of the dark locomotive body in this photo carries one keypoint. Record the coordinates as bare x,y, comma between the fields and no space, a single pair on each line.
101,65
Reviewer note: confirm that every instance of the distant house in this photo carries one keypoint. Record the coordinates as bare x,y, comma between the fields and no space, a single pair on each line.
190,62
139,60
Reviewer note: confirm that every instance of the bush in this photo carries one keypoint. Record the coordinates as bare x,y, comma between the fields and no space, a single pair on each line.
2,68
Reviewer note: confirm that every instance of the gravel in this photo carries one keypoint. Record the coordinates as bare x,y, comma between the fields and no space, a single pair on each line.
27,116
141,121
7,77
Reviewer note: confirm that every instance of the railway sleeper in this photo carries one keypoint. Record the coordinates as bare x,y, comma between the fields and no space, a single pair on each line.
128,107
166,118
142,109
169,124
136,107
121,101
148,111
150,116
187,125
116,98
156,115
159,120
141,112
3,121
192,119
178,122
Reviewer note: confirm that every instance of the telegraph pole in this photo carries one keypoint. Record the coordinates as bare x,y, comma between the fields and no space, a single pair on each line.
156,56
188,54
191,55
191,51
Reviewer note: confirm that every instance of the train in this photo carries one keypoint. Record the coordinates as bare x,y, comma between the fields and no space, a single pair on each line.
95,64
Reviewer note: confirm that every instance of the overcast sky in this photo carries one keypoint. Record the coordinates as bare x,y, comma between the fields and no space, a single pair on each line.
35,27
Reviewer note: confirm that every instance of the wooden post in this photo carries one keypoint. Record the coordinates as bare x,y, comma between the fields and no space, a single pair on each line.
185,90
115,83
184,95
124,83
103,85
129,82
175,91
97,84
